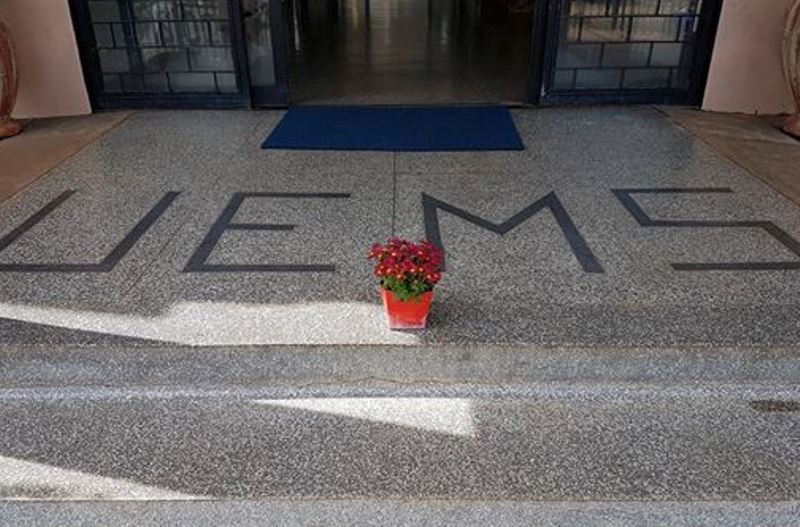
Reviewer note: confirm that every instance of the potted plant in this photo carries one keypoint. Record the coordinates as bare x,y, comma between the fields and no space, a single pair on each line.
8,83
791,64
408,273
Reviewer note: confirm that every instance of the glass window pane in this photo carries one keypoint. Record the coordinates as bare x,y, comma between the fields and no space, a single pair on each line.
114,60
640,7
194,34
103,35
688,28
192,82
133,83
220,33
148,34
112,83
227,82
205,9
156,83
563,79
667,54
259,43
573,30
599,79
655,29
625,45
171,35
156,9
648,78
681,79
579,56
119,35
214,59
104,10
163,46
605,29
587,7
679,7
164,59
626,55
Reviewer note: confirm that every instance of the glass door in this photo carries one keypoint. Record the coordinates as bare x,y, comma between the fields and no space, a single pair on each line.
160,53
410,51
631,50
265,42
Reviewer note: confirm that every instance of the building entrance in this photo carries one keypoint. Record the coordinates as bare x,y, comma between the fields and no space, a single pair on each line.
266,53
409,51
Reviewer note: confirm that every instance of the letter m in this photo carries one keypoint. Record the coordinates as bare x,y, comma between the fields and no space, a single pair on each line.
577,243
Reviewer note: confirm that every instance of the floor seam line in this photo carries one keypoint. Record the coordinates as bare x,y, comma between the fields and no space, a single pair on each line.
153,261
394,192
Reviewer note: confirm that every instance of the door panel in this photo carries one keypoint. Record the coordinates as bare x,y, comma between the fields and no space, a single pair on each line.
264,37
629,50
151,53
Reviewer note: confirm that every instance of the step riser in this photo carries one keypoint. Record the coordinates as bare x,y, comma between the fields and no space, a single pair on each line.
388,514
346,366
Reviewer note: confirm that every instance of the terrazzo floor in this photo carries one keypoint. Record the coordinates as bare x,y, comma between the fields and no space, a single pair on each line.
613,282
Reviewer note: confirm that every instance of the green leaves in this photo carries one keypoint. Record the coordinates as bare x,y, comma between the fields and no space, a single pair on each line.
406,290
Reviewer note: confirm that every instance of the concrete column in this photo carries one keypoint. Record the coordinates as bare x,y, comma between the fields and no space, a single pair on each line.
50,76
746,74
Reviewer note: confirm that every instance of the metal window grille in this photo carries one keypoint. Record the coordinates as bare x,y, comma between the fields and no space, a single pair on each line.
625,46
163,47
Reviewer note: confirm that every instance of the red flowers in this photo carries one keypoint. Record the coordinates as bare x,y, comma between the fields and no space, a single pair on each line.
406,268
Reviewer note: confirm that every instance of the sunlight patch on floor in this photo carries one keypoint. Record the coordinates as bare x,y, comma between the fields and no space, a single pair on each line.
27,480
229,323
451,416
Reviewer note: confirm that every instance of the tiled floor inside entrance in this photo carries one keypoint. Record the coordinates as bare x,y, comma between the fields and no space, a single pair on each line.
633,233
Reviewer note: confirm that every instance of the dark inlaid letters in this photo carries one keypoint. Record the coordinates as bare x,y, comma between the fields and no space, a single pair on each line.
197,263
625,196
577,243
108,263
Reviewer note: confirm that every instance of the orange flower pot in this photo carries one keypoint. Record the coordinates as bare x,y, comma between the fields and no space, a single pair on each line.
411,314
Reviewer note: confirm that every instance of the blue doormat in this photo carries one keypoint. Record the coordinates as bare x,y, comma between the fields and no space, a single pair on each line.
396,129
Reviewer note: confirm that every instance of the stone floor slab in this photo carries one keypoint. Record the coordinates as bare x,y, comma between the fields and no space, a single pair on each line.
545,443
610,280
391,513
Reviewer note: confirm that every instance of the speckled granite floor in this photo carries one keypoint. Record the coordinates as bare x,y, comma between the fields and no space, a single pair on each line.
709,256
543,444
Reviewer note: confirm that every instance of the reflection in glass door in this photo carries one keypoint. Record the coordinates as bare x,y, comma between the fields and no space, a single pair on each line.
410,51
152,53
648,49
263,27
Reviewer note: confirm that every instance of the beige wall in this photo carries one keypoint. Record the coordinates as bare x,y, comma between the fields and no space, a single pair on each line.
746,74
51,82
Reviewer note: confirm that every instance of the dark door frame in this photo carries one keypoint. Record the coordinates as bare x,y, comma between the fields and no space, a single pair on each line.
278,94
544,44
93,76
536,78
708,23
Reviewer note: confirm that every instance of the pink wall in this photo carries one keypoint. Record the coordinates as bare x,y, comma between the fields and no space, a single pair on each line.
51,81
746,74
